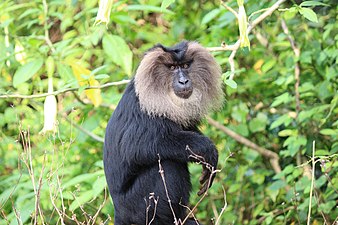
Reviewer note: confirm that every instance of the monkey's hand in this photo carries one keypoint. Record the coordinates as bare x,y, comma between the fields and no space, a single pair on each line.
206,179
209,164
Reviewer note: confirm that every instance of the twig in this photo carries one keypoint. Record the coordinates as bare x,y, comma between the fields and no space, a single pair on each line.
230,9
254,23
64,90
312,181
151,197
224,207
201,160
100,207
224,47
161,171
263,151
90,134
235,47
267,13
189,211
47,39
232,64
296,50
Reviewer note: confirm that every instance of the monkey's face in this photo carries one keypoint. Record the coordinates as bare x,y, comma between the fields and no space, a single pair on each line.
181,82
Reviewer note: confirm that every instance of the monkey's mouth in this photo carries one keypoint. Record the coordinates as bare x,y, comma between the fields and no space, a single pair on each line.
184,93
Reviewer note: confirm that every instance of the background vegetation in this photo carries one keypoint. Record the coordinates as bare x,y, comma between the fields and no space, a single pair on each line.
281,104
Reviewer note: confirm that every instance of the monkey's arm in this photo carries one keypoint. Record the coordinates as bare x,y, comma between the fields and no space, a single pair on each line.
177,145
207,156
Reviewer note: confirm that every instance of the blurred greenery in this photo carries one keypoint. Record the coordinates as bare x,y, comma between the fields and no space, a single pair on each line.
61,170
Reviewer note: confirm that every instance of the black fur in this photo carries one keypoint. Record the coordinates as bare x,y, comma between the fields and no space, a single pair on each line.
177,52
133,142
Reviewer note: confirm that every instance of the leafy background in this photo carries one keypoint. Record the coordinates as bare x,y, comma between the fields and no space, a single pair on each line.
57,177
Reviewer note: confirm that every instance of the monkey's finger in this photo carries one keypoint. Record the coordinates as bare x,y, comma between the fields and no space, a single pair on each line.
205,175
206,185
202,190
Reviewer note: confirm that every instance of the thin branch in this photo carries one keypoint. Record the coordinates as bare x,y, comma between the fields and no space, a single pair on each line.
213,171
312,181
224,207
274,158
64,90
161,171
232,64
47,39
254,23
263,151
90,134
224,47
230,9
267,13
296,50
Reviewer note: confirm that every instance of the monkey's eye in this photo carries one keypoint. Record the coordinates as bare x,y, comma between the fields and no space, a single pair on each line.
185,66
172,67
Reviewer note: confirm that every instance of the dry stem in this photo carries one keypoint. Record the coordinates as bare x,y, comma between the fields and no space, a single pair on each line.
161,171
312,181
64,90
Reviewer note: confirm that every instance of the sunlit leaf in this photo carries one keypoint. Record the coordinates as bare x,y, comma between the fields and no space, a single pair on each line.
312,3
150,8
330,132
309,14
210,16
94,95
118,51
166,3
80,200
27,71
231,83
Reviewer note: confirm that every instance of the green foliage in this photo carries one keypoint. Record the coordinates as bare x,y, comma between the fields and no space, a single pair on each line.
65,166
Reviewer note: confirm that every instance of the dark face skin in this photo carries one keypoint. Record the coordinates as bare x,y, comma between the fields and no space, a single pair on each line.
179,67
182,84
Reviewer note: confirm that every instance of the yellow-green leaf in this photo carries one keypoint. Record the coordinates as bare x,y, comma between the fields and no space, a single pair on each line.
94,95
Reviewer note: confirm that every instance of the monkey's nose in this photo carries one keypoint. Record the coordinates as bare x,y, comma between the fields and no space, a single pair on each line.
183,81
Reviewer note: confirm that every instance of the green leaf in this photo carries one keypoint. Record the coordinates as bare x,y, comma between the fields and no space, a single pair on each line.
283,98
290,13
257,124
268,65
118,51
87,177
287,132
99,185
226,75
231,83
284,119
294,144
327,207
150,8
166,3
65,72
26,71
82,199
330,132
210,16
309,14
277,185
312,3
101,76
